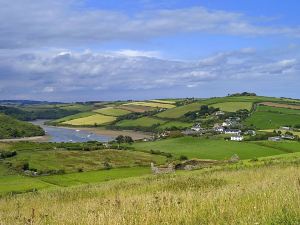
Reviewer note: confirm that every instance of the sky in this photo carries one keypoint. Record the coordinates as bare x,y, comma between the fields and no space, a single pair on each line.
82,50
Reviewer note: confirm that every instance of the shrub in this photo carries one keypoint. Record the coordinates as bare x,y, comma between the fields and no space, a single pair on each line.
183,157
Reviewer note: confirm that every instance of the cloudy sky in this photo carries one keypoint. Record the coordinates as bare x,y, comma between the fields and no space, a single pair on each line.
76,50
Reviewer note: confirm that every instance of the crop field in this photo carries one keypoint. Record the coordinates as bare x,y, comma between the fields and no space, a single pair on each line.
110,111
79,107
180,111
75,116
91,120
279,105
135,108
237,194
140,122
272,118
152,104
209,149
178,124
163,101
233,106
72,161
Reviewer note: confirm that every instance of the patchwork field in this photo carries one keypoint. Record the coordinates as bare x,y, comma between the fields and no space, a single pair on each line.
267,117
163,101
75,116
140,122
110,111
97,119
152,104
211,149
233,106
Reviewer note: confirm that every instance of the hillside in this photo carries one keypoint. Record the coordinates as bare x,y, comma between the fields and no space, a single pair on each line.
13,128
265,191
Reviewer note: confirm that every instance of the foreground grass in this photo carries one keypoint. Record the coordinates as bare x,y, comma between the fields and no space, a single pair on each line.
268,194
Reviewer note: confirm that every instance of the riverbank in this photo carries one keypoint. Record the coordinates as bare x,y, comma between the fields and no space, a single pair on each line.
136,135
35,139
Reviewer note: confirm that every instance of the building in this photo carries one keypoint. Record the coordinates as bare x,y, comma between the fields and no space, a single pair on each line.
197,128
219,129
237,138
286,128
251,132
219,113
230,131
288,137
274,138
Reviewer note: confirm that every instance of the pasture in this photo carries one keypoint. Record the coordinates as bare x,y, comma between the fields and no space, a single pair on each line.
280,105
202,148
140,122
177,124
232,106
135,108
163,101
272,120
110,111
180,111
71,161
96,119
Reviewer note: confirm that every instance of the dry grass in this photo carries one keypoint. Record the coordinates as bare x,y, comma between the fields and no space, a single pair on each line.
264,195
91,120
279,105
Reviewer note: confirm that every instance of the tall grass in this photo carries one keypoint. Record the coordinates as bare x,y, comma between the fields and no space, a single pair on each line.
261,195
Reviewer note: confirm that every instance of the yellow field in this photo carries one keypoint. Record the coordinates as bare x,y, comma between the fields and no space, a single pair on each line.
152,104
162,101
271,130
91,120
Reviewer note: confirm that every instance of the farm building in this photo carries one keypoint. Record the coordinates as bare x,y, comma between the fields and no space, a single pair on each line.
288,137
237,138
274,138
230,131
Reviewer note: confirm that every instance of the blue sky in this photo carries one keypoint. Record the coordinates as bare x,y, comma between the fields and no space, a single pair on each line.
77,50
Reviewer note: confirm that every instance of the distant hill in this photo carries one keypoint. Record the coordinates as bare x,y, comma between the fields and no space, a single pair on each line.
13,128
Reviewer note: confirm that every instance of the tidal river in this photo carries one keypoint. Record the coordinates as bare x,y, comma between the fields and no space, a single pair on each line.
61,134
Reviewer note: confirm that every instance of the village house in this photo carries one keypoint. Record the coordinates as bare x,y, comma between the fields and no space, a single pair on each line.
233,131
286,128
237,138
219,129
288,137
197,128
219,113
274,138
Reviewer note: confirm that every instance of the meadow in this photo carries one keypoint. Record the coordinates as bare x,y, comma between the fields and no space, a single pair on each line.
272,120
140,122
254,192
97,119
232,106
177,124
179,111
194,147
110,111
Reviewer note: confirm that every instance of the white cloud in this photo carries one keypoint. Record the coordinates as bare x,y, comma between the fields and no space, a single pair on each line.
61,23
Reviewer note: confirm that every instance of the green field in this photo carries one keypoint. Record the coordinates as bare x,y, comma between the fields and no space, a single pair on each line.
152,104
233,106
19,184
273,118
140,122
163,101
180,111
72,161
211,149
110,111
91,120
262,192
178,124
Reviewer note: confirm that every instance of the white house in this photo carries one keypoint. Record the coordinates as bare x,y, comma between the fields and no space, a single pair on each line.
237,138
236,132
274,138
219,129
197,128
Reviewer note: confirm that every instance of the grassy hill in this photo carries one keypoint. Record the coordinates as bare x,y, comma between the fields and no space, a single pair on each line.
13,128
250,192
